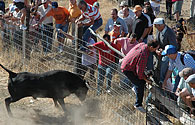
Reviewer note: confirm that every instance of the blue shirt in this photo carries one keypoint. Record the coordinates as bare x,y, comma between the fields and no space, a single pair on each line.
109,25
188,61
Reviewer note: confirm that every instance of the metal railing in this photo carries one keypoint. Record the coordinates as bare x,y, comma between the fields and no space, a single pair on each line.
117,104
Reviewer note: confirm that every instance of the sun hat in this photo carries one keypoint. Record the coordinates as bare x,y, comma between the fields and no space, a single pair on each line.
190,79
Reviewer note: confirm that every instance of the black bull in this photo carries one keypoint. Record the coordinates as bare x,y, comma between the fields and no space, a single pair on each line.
56,84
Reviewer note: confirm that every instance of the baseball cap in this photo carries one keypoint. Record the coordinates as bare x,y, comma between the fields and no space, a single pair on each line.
186,72
169,49
159,21
190,79
123,3
54,4
117,23
137,8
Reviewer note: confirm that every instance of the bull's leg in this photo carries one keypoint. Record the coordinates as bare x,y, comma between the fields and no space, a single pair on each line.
62,104
55,103
7,104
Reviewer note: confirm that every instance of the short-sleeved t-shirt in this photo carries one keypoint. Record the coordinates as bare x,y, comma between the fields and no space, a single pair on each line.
106,55
60,15
139,26
183,84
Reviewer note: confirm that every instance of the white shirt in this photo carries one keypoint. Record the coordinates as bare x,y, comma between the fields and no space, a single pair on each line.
193,91
18,1
43,11
155,4
89,59
131,13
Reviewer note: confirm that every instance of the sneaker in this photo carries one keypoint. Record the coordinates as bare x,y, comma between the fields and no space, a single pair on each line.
108,91
22,27
140,108
133,89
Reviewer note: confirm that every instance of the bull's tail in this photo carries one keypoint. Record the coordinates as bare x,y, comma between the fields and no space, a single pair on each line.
11,74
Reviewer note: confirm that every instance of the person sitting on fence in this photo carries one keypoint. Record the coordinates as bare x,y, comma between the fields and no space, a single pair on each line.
190,100
110,23
134,65
126,45
183,89
61,16
90,18
106,63
175,62
47,26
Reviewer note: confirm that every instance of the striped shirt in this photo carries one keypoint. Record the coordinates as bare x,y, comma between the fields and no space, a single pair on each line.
91,12
188,61
136,60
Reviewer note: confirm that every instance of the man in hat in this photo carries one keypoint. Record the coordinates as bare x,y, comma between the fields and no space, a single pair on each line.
165,36
175,62
183,89
122,5
190,100
47,26
140,25
61,16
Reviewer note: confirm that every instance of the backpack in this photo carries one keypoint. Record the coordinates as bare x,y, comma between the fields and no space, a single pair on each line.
190,52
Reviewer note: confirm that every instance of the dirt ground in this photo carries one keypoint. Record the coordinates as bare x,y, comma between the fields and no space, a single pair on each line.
42,111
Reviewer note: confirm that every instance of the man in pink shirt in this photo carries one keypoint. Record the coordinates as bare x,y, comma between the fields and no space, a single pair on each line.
126,45
134,65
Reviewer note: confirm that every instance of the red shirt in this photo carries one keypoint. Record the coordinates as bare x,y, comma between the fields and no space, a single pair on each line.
90,1
91,12
136,60
106,55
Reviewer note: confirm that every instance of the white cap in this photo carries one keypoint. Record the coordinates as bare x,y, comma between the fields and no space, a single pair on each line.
123,3
43,1
159,21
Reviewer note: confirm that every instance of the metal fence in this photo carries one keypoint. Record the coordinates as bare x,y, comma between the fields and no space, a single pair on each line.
36,51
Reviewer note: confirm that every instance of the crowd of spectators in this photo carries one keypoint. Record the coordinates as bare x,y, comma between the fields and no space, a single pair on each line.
128,30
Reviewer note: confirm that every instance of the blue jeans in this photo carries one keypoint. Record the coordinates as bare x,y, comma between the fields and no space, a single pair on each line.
150,64
63,28
107,72
177,79
87,34
139,87
164,67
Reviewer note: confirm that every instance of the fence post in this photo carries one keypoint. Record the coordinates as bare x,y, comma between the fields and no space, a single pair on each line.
23,46
75,27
